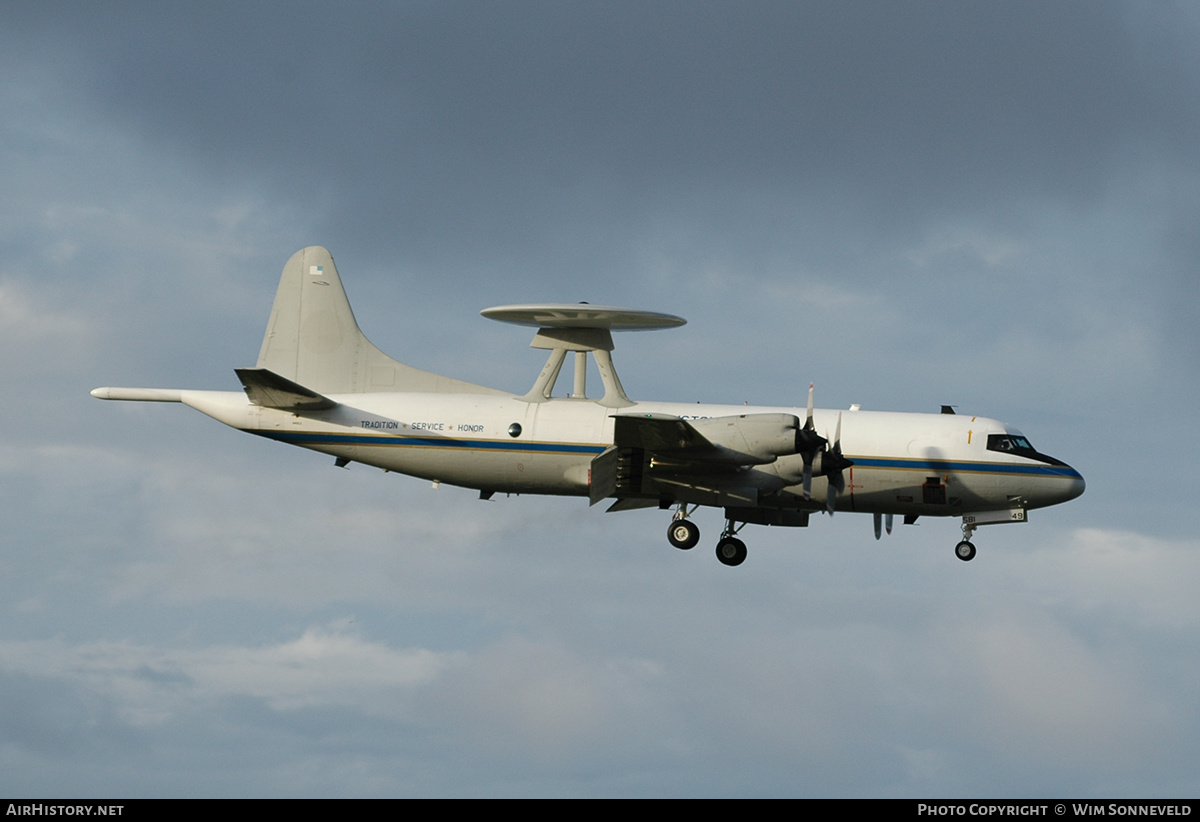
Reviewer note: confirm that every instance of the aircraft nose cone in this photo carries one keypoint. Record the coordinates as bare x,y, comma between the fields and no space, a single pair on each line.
1061,484
1076,487
1068,486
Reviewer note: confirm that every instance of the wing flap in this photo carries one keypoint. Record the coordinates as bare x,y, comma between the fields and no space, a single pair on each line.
632,505
707,493
602,476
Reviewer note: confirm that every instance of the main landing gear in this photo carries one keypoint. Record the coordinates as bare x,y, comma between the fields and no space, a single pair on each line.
731,550
685,534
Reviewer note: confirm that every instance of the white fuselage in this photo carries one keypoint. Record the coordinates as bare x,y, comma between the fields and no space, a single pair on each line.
914,464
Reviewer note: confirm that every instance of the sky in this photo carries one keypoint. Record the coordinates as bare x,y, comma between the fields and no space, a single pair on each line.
990,205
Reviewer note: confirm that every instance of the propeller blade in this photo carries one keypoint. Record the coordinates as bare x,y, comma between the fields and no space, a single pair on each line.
878,524
809,444
887,523
837,484
832,465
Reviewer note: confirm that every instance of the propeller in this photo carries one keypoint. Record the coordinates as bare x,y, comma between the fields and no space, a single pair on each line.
820,458
832,465
809,443
882,519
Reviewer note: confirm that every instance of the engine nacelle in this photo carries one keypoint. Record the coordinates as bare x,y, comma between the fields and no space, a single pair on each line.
762,436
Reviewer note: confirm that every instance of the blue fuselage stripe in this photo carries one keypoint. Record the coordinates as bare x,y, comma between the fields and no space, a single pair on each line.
299,438
860,462
952,466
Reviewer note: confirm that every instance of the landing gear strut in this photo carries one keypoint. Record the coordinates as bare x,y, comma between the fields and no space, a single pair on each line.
965,550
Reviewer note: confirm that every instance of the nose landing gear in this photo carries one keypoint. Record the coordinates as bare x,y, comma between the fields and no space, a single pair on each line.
965,550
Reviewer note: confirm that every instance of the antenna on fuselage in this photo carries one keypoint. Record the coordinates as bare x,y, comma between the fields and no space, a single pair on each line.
582,329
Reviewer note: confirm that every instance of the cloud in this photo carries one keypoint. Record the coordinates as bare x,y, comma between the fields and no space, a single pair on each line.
329,666
826,668
23,322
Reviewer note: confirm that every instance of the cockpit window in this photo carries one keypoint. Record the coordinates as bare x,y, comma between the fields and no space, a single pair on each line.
1017,444
1011,444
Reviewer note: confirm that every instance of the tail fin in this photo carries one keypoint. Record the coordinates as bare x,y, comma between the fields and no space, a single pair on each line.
313,339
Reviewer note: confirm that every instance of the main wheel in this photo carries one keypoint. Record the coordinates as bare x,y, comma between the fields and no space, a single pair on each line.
683,534
731,551
965,551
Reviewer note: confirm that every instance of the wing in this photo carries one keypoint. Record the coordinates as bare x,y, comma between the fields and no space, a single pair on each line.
663,457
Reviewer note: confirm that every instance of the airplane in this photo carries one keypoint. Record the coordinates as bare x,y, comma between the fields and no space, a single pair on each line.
320,384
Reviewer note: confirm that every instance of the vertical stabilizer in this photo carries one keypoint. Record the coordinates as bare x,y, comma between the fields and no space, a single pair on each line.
313,339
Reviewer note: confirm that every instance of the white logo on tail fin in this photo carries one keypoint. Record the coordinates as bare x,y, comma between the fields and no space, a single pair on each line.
316,270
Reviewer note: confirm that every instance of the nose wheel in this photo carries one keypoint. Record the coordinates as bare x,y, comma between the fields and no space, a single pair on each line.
965,550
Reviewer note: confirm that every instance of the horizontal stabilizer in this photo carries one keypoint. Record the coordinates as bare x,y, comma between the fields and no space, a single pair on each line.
266,388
